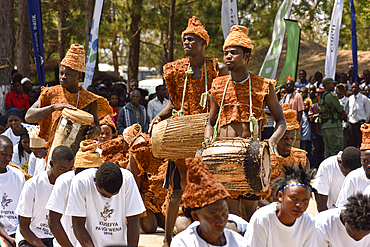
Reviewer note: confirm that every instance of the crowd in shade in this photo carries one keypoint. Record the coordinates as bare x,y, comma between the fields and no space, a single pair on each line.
104,185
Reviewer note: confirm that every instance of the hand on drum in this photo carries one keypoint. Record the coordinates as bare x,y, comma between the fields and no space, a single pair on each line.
155,120
93,133
273,146
59,107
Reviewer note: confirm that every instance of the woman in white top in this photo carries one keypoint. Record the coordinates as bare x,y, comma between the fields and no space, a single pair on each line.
14,121
285,223
22,150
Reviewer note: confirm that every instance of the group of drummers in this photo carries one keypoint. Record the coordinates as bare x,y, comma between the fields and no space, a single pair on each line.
198,178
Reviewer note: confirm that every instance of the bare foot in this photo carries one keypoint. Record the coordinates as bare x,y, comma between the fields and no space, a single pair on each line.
165,244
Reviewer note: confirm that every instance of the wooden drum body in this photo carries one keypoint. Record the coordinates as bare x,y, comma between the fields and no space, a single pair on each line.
240,165
180,137
72,128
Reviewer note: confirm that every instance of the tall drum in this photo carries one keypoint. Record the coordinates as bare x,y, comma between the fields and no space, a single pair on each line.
240,165
180,137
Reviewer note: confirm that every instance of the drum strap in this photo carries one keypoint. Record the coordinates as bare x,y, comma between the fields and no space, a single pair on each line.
219,112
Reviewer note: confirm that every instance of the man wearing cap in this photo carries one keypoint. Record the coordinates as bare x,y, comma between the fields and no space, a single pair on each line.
237,100
26,85
198,71
359,113
331,120
17,99
47,109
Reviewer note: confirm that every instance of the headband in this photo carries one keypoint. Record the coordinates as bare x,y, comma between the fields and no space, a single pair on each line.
290,185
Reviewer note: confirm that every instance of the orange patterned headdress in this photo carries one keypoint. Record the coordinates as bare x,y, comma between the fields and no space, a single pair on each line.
238,36
290,117
289,78
87,157
196,27
202,189
107,120
365,144
75,58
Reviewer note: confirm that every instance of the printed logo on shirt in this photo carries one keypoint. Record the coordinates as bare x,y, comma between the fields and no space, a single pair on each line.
107,212
5,201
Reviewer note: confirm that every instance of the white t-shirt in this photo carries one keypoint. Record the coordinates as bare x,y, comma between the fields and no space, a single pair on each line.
241,224
356,181
11,184
330,231
9,133
105,217
367,190
15,158
329,179
35,194
58,203
190,238
266,230
36,165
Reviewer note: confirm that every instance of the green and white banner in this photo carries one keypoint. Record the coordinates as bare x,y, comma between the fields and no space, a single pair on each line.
270,65
291,61
229,16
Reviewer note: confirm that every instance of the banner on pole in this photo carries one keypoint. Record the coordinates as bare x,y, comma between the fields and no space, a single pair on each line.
354,43
291,61
271,62
333,39
92,51
34,16
229,16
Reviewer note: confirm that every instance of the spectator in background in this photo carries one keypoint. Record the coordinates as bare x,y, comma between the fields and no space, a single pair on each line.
306,129
312,81
91,88
302,80
14,121
17,99
313,95
2,124
365,79
113,101
359,113
295,101
22,150
102,90
26,85
282,93
143,94
108,83
304,92
133,113
318,77
343,79
156,105
33,96
343,100
366,91
133,85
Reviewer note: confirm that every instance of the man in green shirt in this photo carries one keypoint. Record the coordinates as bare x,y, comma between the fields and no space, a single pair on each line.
331,120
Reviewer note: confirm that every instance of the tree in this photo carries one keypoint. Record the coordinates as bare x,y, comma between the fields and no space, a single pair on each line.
133,57
23,39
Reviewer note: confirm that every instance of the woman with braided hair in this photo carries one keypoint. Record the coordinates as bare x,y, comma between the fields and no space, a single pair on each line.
285,223
22,150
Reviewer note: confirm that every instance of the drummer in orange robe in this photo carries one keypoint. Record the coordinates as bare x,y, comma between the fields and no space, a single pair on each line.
195,39
47,109
289,155
234,120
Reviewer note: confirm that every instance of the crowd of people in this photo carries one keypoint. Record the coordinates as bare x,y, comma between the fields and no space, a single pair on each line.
111,186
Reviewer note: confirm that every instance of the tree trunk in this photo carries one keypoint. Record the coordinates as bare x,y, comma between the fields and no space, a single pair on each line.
61,28
171,30
23,40
133,57
89,4
6,48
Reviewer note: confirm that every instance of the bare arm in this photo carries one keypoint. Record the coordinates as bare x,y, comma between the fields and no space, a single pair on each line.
299,116
80,231
24,226
133,230
5,235
321,202
58,230
222,70
212,119
344,115
277,114
165,113
94,132
36,114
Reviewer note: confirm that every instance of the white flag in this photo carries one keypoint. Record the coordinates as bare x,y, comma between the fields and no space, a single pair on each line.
333,39
270,65
229,15
92,52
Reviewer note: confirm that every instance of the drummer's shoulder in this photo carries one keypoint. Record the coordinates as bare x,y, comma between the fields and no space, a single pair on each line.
263,79
172,66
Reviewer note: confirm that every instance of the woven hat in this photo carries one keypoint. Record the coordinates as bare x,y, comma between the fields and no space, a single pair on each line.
75,58
107,120
130,133
87,157
290,117
196,27
202,188
35,140
365,144
238,36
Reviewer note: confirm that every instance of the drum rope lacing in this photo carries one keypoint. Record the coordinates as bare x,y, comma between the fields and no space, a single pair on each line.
253,123
204,97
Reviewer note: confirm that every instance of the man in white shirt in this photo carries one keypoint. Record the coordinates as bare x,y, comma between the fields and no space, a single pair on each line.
331,174
156,105
101,202
11,184
359,113
344,227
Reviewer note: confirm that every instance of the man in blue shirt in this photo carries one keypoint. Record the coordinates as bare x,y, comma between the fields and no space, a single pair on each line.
302,79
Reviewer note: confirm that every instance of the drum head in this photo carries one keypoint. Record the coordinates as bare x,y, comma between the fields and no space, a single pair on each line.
266,169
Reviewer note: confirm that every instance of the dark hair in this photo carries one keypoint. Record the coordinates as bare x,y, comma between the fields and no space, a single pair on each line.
62,153
318,75
17,77
113,93
95,80
294,174
351,158
78,170
4,140
109,177
309,79
135,91
357,212
23,133
157,88
302,70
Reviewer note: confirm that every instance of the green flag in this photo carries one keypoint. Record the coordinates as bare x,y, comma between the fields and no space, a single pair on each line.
291,61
